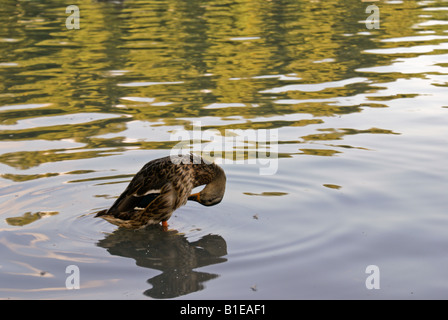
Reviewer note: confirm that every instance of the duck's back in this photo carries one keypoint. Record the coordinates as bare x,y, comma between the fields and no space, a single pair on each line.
159,188
155,178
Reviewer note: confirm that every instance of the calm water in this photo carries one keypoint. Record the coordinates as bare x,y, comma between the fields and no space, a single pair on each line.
361,118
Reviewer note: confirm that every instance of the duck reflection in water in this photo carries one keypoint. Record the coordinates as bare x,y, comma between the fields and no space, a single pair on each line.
170,252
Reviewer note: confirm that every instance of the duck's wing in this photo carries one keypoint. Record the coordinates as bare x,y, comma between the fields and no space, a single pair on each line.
143,188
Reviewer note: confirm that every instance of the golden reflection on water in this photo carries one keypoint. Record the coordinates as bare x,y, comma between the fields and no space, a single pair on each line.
28,217
167,63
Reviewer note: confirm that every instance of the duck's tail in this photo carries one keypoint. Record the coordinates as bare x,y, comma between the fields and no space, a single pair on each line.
101,213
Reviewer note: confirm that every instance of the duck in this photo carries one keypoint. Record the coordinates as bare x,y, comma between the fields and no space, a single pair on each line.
162,186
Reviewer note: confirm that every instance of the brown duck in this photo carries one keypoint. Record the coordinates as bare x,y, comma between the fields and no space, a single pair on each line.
162,186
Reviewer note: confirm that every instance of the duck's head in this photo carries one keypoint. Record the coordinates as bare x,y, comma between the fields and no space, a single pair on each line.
213,192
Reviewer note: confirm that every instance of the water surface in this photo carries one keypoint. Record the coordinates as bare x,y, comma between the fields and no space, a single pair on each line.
361,119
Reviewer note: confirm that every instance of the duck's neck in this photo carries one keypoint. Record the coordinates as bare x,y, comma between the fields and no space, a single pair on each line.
216,187
219,177
209,174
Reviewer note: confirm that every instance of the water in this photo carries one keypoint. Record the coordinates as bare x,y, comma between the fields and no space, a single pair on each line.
361,116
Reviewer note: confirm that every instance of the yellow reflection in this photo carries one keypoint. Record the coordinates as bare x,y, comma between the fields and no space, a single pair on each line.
167,62
29,217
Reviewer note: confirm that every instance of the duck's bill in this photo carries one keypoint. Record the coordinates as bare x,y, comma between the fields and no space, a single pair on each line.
194,197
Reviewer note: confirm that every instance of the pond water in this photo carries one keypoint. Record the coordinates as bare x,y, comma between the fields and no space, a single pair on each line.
357,123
